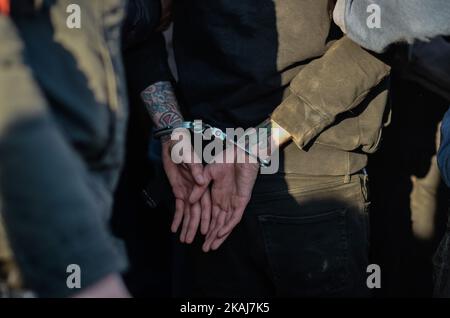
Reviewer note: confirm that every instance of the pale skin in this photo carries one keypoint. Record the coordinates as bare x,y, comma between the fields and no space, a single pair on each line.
212,198
164,111
231,189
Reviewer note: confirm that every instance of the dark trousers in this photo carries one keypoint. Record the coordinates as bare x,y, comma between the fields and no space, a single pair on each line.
441,262
300,236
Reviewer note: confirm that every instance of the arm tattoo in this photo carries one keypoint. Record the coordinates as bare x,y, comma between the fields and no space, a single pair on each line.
162,104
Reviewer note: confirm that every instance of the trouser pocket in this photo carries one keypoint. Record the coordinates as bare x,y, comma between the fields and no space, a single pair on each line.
308,255
317,242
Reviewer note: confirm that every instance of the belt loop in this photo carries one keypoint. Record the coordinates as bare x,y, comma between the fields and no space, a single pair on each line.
347,178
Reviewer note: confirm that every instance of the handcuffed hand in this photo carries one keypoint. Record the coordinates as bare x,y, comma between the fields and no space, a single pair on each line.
231,190
185,172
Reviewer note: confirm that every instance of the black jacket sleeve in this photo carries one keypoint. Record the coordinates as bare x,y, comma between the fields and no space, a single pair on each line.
144,49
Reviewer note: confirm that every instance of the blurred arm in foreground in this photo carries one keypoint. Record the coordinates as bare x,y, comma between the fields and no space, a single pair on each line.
59,156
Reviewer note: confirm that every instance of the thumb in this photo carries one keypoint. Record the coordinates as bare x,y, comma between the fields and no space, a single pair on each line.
199,189
197,172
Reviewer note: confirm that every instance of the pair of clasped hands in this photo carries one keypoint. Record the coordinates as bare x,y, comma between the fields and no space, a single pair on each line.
211,198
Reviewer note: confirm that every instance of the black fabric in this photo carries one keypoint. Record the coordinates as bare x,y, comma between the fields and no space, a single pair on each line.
145,56
232,46
24,7
441,266
299,237
142,17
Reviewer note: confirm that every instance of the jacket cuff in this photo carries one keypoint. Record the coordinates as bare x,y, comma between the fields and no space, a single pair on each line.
333,84
301,121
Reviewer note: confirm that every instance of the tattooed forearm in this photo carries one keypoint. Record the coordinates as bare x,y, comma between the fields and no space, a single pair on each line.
162,104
